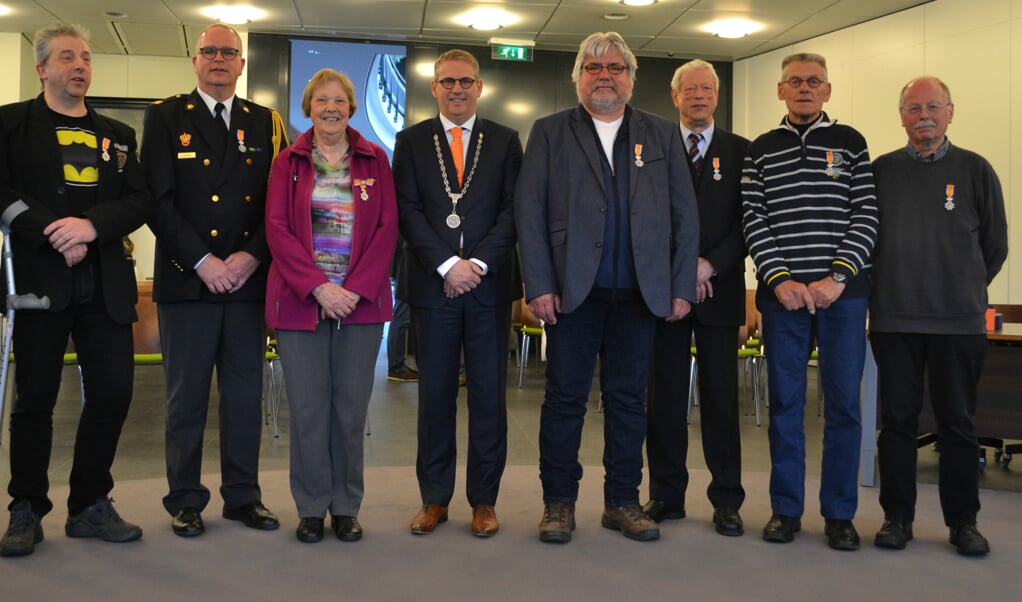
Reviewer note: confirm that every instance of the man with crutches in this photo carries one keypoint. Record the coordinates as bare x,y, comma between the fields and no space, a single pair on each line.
74,177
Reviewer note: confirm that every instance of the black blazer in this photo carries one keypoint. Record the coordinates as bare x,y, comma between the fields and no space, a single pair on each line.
205,203
487,218
720,230
31,169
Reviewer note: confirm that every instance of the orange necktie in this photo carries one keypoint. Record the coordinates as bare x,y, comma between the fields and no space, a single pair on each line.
459,153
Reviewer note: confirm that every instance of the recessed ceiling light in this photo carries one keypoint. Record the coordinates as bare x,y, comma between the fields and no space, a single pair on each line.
4,10
616,16
638,2
112,14
732,28
486,19
237,14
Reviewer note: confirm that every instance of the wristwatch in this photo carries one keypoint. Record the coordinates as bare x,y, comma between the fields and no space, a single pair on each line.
838,277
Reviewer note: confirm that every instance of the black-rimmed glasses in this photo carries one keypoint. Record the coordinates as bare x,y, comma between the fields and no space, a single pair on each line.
465,82
209,53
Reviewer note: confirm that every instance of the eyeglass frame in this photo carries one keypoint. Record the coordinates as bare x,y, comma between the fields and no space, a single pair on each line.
222,51
796,82
465,83
931,107
612,68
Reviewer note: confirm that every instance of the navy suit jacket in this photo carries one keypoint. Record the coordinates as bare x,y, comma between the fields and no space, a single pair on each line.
487,219
720,230
31,170
561,204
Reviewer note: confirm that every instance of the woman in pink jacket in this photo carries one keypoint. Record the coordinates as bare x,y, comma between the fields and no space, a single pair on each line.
331,224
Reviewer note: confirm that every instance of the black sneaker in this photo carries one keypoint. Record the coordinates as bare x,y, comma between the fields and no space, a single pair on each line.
102,521
968,541
404,375
893,534
841,534
25,531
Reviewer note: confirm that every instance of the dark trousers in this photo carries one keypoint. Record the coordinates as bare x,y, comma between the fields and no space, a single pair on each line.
442,334
196,336
620,333
105,356
952,365
667,409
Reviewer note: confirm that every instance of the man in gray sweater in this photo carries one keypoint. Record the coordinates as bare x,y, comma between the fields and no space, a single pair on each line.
943,237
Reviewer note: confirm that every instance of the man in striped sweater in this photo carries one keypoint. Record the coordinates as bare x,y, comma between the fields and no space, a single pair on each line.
810,220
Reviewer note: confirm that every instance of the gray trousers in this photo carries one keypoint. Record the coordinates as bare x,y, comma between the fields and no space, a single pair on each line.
329,378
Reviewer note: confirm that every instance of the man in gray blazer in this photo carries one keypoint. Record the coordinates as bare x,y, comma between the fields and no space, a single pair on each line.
608,234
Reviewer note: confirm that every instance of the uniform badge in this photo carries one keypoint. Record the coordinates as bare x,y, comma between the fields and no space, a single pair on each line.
122,159
185,139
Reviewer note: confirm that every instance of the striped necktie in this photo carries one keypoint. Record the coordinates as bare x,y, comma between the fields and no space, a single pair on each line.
695,159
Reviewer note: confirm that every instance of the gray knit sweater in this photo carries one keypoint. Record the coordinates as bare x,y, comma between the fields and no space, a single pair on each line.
943,237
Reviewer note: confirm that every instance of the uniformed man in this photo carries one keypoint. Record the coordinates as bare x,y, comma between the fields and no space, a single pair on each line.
206,156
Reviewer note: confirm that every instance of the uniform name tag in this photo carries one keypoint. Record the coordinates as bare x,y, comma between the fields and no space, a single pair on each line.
190,155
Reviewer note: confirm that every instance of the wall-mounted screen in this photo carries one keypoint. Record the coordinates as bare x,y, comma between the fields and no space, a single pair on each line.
376,70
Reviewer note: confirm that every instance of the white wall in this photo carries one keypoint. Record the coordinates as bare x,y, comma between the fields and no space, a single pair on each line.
976,48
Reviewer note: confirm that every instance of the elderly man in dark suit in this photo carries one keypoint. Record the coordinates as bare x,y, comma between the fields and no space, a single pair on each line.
608,235
455,177
207,157
715,159
70,190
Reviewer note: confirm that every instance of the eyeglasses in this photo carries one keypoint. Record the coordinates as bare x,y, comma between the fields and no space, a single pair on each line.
932,107
597,68
796,82
465,82
209,53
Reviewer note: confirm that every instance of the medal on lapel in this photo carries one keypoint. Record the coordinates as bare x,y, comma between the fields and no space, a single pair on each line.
106,149
716,169
638,156
363,184
949,197
241,140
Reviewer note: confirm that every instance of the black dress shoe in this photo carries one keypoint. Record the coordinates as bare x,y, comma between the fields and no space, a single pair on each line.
781,529
658,511
346,528
253,515
310,530
968,541
188,523
893,534
841,534
728,522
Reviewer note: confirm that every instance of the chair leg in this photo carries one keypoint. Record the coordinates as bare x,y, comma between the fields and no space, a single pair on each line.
691,389
523,358
274,399
755,390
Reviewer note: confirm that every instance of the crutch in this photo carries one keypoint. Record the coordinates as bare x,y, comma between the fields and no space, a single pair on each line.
15,301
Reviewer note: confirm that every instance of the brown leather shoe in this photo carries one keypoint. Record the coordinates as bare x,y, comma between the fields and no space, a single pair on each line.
484,521
428,518
631,521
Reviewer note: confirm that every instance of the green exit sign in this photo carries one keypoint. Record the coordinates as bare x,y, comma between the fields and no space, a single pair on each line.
503,52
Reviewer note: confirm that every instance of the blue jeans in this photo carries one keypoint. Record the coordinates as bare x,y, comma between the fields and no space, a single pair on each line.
840,335
620,333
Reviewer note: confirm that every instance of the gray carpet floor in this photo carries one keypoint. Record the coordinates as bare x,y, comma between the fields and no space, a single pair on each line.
689,562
